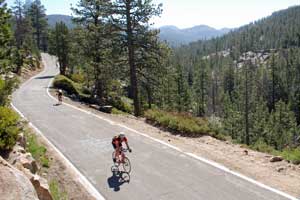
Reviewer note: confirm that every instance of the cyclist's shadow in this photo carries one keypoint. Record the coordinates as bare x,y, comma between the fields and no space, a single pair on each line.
117,179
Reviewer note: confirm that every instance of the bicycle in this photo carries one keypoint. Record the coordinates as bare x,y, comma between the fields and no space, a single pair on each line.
60,99
125,164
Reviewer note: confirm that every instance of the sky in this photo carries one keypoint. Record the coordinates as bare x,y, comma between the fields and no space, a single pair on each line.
188,13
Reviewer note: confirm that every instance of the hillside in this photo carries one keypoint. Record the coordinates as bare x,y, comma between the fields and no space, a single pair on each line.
175,36
52,19
280,30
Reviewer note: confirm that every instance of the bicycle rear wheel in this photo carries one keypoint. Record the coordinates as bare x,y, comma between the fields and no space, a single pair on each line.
127,165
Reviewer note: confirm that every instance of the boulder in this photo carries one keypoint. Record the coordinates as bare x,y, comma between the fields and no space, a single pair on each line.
26,160
106,109
94,106
276,159
18,149
29,163
280,169
15,154
296,162
21,140
14,184
41,187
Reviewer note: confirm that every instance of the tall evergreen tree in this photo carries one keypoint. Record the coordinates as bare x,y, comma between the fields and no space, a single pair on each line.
132,19
200,88
37,16
5,38
60,45
183,93
93,16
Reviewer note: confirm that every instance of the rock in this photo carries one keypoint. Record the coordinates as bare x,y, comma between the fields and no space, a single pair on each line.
106,109
42,188
30,163
276,159
280,169
296,162
18,149
21,140
27,161
94,106
15,154
14,184
44,174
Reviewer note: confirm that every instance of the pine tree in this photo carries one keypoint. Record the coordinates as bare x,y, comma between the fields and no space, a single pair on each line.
132,19
260,118
37,16
201,87
98,40
183,96
60,45
232,118
5,38
281,127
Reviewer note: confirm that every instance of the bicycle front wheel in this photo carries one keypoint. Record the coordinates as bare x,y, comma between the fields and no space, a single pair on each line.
127,165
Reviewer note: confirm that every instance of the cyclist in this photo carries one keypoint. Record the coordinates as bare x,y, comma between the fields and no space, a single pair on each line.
117,145
59,96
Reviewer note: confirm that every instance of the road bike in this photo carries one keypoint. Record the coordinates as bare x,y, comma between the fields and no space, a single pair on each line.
125,164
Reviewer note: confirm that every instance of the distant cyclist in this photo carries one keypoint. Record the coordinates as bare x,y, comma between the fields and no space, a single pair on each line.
117,145
59,96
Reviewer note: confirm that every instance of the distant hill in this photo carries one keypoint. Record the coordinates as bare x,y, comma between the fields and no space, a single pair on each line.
52,19
280,30
175,36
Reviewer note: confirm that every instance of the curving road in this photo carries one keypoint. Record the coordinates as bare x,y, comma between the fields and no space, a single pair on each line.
159,172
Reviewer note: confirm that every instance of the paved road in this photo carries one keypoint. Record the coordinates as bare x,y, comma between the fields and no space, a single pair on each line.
159,172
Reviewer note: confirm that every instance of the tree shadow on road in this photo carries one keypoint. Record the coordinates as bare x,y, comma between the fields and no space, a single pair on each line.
44,77
117,180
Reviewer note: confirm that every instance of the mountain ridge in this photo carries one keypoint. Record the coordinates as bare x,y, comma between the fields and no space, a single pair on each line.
173,35
176,36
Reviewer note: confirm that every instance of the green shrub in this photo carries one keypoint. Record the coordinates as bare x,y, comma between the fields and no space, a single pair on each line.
65,84
86,91
121,103
179,123
44,161
115,111
261,146
6,88
292,155
8,128
38,152
55,191
78,78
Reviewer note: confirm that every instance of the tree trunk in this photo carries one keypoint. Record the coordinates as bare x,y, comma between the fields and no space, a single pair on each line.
273,83
149,94
247,137
131,59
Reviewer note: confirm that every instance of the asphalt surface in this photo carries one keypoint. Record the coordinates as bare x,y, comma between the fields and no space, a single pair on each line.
158,171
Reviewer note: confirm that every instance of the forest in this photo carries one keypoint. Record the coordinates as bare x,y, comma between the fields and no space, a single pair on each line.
243,86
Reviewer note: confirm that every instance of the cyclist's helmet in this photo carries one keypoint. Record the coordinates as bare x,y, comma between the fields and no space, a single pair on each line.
122,135
60,90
